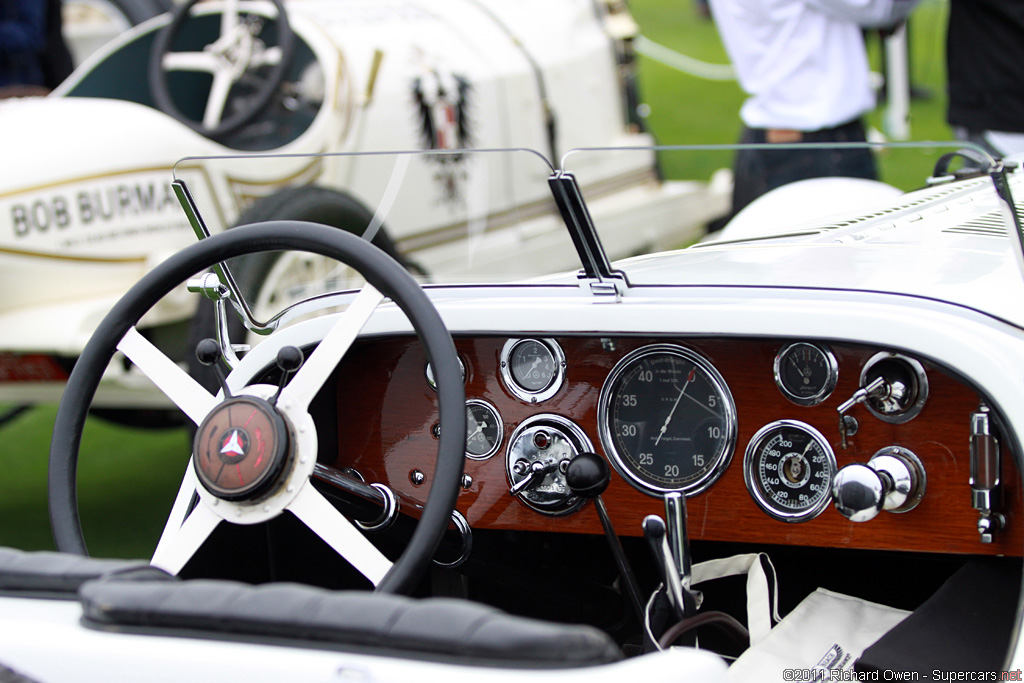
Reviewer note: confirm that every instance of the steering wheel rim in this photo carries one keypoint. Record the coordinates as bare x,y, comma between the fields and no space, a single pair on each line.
217,63
380,271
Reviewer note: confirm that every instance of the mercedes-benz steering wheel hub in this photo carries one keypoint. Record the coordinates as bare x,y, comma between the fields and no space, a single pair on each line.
241,449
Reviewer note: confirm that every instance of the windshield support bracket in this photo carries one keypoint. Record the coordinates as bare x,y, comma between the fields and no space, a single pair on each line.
597,270
999,175
188,205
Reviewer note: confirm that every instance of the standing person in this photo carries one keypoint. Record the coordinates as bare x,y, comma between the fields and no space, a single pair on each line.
984,51
23,37
805,68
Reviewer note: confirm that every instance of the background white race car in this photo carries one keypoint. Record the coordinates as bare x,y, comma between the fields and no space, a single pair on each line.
89,24
86,218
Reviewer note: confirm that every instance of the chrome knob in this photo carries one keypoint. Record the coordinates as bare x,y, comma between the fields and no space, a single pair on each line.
900,476
893,480
858,492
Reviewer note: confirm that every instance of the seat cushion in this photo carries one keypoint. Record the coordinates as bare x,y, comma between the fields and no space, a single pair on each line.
61,574
433,628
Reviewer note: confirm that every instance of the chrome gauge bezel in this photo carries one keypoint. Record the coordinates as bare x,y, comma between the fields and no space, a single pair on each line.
493,412
828,359
562,429
720,459
557,357
921,389
428,372
752,463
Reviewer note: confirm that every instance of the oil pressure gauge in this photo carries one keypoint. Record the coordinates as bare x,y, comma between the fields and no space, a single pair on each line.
806,373
788,468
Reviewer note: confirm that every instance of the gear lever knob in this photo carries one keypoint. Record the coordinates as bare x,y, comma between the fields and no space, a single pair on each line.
588,475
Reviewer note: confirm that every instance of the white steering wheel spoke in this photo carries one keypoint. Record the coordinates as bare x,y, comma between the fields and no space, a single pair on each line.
321,363
179,510
190,61
184,391
217,100
272,56
331,526
176,548
229,17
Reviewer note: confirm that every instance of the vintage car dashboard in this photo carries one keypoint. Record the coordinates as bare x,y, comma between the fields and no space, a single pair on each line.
749,429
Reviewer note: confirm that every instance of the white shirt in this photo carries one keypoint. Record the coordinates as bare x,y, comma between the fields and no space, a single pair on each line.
802,62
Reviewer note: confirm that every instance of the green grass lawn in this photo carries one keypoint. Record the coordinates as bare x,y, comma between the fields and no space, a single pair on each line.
127,481
128,477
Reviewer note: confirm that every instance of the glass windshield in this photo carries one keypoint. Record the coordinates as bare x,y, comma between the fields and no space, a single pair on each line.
490,216
461,217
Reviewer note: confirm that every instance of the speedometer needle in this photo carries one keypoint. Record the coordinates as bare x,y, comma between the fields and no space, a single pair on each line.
664,427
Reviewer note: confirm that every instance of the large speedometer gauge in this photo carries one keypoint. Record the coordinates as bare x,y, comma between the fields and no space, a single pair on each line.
667,420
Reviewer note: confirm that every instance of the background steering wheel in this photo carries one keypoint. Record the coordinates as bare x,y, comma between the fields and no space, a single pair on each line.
238,52
289,440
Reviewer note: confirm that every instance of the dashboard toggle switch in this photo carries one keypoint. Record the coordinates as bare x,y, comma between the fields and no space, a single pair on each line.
847,424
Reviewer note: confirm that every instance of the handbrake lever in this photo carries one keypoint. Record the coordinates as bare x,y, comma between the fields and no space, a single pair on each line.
671,547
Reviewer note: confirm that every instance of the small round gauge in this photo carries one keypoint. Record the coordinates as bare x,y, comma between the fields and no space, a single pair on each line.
483,430
667,420
806,373
533,369
788,468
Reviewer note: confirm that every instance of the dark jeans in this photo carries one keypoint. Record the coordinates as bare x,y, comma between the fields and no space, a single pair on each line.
756,171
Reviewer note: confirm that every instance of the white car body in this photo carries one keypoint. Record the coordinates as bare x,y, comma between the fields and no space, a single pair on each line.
933,280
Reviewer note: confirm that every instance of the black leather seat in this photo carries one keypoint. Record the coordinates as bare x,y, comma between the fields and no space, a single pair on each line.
442,629
130,594
60,574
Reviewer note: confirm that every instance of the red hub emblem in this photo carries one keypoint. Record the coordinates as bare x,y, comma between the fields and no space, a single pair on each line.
241,449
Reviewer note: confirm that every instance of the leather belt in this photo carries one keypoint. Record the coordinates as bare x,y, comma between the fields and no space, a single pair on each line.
782,135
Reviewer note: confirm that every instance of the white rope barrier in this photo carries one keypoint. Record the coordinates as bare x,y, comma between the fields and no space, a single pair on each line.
676,60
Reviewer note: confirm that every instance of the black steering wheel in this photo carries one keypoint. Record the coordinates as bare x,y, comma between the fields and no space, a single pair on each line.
273,462
236,54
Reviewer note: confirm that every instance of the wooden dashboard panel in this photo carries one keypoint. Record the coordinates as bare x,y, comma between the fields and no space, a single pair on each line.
386,413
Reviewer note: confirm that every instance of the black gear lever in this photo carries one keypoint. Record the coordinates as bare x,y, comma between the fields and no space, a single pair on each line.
588,475
209,354
289,359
